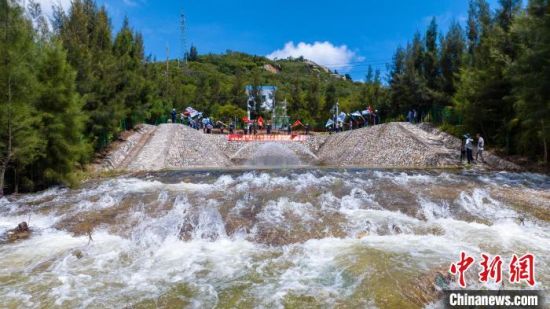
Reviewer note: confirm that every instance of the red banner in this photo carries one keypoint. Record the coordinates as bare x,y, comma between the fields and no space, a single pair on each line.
297,123
266,138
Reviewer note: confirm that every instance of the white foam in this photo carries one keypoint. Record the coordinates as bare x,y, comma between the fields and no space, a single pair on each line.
150,258
480,203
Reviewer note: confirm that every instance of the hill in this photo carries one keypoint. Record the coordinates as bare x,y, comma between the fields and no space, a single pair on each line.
215,84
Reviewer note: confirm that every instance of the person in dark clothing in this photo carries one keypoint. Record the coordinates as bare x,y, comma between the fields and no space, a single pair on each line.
307,128
469,148
462,150
174,114
268,128
289,130
231,128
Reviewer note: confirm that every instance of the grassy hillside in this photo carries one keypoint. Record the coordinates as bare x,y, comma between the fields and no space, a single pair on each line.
215,84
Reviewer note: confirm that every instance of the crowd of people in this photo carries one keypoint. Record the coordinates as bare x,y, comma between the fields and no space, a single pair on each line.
341,122
356,120
247,127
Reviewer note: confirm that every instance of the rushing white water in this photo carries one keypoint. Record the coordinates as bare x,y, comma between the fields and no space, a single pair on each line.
292,238
274,155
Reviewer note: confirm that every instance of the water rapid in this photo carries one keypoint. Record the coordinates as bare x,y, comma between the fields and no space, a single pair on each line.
282,238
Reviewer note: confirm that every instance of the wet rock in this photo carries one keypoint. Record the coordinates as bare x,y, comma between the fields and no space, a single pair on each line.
22,231
78,254
396,229
429,286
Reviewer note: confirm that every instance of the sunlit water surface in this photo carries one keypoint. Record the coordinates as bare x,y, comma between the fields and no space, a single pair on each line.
281,238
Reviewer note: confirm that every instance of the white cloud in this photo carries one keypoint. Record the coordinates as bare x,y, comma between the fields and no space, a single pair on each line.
47,5
323,53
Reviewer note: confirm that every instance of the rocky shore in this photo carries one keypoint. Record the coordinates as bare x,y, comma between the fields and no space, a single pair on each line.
400,145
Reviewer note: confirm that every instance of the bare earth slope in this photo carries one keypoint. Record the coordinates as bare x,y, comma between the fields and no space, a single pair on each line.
402,145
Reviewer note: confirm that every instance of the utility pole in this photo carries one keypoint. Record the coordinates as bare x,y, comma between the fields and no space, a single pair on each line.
183,37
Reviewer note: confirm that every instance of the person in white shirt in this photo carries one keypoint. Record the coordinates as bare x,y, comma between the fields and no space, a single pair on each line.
480,147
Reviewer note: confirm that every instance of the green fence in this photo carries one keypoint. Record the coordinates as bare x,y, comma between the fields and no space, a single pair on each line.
443,115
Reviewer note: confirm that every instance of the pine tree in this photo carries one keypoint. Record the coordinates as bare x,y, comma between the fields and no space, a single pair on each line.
398,89
431,69
530,76
61,119
131,87
86,34
472,29
452,50
19,141
484,94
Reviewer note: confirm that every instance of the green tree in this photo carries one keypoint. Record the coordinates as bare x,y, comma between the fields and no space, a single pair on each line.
238,91
484,94
530,76
431,61
61,119
86,34
313,99
19,139
193,54
452,51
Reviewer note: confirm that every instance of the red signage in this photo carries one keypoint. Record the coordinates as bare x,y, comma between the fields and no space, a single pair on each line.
266,138
521,269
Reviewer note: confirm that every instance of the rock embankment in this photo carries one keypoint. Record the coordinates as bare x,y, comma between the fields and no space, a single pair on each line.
400,145
388,145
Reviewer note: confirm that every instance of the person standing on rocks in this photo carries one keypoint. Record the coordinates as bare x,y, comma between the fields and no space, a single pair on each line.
480,147
174,114
410,116
307,128
469,148
462,150
268,128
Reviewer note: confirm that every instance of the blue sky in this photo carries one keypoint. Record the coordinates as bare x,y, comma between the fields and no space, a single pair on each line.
350,34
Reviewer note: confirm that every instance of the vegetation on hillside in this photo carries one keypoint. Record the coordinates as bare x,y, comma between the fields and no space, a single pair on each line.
68,90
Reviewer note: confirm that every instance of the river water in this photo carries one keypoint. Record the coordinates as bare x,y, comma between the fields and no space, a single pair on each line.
274,238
